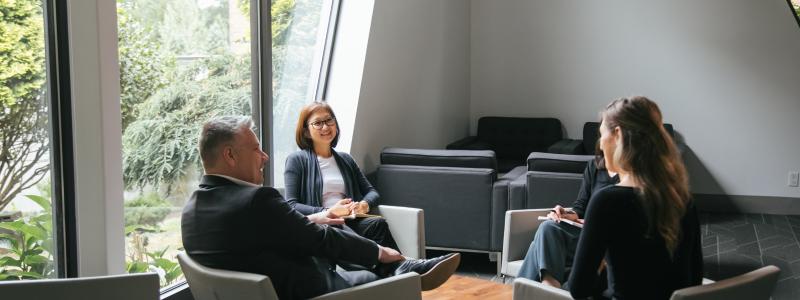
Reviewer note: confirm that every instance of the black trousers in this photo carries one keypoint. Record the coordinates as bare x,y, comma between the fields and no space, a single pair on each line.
375,229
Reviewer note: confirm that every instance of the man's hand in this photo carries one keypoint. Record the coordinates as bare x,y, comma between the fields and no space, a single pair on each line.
388,255
559,213
326,217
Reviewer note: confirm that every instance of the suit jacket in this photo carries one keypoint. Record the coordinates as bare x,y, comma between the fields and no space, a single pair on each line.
252,229
303,180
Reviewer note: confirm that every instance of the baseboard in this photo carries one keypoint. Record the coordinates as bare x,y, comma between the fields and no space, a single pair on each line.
747,204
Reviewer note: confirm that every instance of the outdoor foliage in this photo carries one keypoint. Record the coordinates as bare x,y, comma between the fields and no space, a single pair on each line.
147,209
160,146
24,140
29,245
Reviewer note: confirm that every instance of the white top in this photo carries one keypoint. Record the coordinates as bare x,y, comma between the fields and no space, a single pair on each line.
333,188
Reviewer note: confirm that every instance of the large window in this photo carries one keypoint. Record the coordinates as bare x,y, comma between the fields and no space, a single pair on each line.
30,247
181,63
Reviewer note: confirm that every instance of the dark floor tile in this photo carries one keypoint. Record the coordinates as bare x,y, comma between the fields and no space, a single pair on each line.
709,241
764,231
733,264
794,220
710,250
744,234
788,289
728,246
786,269
777,221
750,249
755,218
775,241
789,253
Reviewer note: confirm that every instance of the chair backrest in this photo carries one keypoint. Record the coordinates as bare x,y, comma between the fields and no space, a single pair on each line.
591,132
515,138
558,163
754,285
439,158
214,284
118,287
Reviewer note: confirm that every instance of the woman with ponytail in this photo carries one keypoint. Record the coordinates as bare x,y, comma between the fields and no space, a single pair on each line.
644,229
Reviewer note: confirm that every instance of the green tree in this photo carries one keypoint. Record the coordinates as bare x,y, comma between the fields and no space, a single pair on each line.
24,139
144,68
161,145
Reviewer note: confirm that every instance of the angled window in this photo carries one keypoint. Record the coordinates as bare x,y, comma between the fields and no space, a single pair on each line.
302,33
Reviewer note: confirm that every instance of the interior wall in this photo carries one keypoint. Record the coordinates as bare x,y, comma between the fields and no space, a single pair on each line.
415,86
725,73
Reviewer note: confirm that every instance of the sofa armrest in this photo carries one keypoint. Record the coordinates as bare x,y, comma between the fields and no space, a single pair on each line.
400,287
567,146
520,227
407,226
528,289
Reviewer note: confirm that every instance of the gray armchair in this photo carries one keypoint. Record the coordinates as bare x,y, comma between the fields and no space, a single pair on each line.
754,285
463,198
551,179
520,227
118,287
214,284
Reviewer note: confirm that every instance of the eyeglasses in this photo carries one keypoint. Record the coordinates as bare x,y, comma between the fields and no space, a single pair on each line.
318,124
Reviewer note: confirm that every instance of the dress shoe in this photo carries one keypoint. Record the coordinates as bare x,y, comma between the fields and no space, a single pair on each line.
433,272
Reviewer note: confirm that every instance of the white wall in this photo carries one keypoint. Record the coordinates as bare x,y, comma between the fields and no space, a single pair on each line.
415,85
725,73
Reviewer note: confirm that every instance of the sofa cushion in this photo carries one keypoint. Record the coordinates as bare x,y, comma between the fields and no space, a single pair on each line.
439,158
515,138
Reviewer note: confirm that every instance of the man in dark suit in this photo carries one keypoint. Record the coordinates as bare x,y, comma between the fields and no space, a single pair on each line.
232,222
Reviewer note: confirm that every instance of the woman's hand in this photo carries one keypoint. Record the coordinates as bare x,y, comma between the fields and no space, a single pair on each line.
342,208
362,207
560,212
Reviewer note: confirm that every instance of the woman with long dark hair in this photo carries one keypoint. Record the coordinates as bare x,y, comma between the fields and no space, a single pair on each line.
644,229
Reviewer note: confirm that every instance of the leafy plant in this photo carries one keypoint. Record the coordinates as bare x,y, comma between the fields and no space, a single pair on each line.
148,209
168,270
30,245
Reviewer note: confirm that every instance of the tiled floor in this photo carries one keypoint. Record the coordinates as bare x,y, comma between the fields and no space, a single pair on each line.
732,244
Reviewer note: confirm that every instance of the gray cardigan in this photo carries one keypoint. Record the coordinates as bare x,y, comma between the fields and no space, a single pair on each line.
303,181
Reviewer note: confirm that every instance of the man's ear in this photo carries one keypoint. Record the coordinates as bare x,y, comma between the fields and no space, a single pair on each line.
229,156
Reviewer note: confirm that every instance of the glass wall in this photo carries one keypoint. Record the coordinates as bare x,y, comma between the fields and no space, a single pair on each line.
181,63
27,243
300,32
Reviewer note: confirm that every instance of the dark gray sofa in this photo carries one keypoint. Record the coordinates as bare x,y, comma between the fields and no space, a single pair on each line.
460,192
512,139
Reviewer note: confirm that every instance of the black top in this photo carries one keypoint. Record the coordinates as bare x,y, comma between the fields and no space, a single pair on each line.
594,179
252,229
303,181
639,265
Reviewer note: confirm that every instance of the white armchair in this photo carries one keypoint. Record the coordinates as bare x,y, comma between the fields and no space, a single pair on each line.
408,228
520,227
214,284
